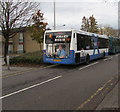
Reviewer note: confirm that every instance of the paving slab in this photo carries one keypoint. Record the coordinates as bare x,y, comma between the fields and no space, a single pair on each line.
110,101
14,70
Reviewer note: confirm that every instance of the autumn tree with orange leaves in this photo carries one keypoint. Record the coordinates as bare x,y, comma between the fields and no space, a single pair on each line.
89,24
38,28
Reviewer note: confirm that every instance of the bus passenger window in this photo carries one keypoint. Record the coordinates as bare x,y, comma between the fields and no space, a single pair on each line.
87,47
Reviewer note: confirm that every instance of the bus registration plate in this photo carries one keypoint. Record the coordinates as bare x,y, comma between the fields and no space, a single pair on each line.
57,60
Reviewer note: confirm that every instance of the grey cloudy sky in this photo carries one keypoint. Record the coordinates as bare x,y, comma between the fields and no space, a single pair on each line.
71,13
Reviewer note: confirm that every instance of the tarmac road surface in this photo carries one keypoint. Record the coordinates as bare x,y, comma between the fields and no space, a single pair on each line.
61,87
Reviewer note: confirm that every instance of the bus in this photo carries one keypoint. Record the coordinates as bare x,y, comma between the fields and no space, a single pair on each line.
114,45
80,46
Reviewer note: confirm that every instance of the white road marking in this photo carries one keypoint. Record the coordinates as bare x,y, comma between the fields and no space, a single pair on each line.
88,65
30,87
108,59
116,55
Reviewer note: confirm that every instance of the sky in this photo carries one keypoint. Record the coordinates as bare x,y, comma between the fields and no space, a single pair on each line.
71,13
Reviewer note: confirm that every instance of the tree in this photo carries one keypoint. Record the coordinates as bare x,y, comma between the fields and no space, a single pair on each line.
85,24
93,25
38,28
89,24
14,16
108,30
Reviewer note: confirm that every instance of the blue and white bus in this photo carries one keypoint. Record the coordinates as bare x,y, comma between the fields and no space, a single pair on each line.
80,46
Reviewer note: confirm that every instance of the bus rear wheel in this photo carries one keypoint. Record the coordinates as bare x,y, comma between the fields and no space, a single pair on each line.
103,54
87,60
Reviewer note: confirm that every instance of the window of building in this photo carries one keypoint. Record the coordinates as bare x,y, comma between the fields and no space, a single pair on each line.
20,46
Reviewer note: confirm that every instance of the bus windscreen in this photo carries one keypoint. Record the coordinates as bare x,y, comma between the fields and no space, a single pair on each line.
58,37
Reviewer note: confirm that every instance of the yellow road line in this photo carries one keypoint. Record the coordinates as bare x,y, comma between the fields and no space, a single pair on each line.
92,96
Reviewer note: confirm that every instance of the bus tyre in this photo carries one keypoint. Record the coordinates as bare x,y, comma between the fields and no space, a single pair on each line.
103,54
87,60
114,51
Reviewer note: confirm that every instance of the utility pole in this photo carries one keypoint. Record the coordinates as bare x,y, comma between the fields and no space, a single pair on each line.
54,17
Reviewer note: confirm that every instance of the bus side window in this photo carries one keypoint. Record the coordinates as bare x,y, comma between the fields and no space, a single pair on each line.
103,43
80,42
74,35
88,42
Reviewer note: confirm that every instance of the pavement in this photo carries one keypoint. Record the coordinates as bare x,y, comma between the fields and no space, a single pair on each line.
1,61
110,102
14,70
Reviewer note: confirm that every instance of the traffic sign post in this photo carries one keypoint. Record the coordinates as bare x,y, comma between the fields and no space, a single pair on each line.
8,62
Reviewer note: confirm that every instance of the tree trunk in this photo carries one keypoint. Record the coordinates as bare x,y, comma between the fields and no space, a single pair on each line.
6,49
40,46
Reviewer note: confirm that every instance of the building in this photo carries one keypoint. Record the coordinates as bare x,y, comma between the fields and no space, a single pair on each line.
21,43
1,44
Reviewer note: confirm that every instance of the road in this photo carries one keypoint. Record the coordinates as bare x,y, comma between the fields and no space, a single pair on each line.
61,87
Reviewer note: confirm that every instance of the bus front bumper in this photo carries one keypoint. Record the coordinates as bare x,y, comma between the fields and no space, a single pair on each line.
59,61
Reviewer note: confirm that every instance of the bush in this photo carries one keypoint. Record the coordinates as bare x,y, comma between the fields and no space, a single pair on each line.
28,58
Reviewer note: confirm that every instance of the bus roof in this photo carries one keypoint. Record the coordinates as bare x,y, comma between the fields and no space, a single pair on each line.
114,37
79,31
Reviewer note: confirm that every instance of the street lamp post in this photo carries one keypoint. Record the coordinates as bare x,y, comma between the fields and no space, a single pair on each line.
54,17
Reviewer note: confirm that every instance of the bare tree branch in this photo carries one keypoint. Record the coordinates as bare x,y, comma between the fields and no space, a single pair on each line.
14,15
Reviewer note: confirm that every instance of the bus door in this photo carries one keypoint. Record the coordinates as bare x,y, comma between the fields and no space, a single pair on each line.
80,47
83,54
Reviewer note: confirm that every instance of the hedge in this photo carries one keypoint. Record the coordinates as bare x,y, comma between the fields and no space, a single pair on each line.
28,58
